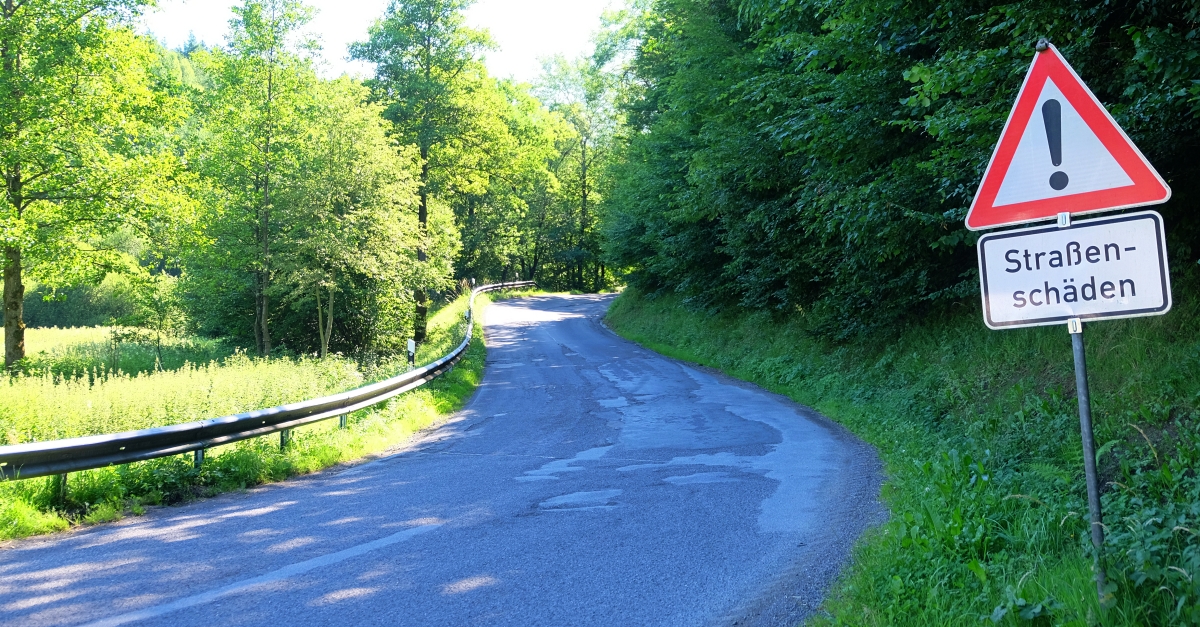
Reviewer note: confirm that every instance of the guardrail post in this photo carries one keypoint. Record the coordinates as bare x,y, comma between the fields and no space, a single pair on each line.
198,459
342,421
60,490
285,438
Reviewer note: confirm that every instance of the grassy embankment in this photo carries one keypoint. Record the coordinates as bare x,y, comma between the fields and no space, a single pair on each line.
46,406
979,434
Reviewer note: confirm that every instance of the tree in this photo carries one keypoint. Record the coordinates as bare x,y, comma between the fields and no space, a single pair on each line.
81,150
581,91
348,219
248,144
426,68
820,157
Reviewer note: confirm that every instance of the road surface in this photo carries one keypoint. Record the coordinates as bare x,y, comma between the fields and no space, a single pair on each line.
588,482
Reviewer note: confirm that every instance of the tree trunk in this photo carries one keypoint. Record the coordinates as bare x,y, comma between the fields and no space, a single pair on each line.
257,313
265,274
262,331
325,321
265,214
320,322
583,217
419,321
14,308
14,289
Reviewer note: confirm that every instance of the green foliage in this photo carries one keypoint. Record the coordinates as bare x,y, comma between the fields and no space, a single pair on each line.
86,150
521,180
277,210
349,225
1155,513
427,72
248,145
81,306
820,157
979,435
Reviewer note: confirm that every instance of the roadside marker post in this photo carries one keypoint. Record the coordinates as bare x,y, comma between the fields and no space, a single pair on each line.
1061,154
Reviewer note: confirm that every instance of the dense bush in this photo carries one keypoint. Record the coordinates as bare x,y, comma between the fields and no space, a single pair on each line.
84,306
816,156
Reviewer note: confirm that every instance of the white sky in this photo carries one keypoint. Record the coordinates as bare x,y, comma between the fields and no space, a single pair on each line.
526,30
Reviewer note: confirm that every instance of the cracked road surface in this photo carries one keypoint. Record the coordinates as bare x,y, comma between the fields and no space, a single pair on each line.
588,482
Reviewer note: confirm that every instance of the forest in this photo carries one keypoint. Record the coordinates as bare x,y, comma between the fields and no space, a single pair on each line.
820,157
231,190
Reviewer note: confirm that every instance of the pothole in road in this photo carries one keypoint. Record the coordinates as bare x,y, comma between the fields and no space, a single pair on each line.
550,470
700,477
599,499
613,402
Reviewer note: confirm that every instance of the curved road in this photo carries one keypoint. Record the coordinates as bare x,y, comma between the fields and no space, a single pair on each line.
588,482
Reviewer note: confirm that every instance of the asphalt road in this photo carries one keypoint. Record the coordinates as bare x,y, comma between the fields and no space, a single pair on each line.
588,482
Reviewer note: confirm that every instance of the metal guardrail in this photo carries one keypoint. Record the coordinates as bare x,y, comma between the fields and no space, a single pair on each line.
53,457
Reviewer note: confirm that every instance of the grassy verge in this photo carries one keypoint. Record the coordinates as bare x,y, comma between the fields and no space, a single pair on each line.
42,505
979,434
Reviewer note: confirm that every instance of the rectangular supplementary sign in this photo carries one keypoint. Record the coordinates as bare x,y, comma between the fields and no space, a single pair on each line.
1108,268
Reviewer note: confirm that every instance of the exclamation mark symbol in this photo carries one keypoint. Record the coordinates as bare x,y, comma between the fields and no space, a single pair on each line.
1052,116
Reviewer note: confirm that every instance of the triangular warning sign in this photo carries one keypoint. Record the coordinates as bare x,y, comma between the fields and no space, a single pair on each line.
1061,152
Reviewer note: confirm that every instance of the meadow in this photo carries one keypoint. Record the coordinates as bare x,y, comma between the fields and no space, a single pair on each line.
978,432
46,405
91,350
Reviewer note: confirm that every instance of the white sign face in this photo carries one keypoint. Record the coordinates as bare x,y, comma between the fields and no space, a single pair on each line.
1036,162
1095,269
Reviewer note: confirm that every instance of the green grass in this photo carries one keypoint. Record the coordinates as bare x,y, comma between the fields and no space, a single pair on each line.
52,406
87,350
979,434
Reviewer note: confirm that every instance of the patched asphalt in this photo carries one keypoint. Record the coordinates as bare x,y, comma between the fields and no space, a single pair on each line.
588,482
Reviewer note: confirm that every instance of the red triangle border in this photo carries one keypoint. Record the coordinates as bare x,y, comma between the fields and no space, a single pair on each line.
1148,187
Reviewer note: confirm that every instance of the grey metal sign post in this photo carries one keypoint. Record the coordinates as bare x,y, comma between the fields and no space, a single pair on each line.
1075,326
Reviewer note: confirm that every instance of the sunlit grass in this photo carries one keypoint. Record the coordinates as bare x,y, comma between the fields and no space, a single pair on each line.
80,350
50,407
50,340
